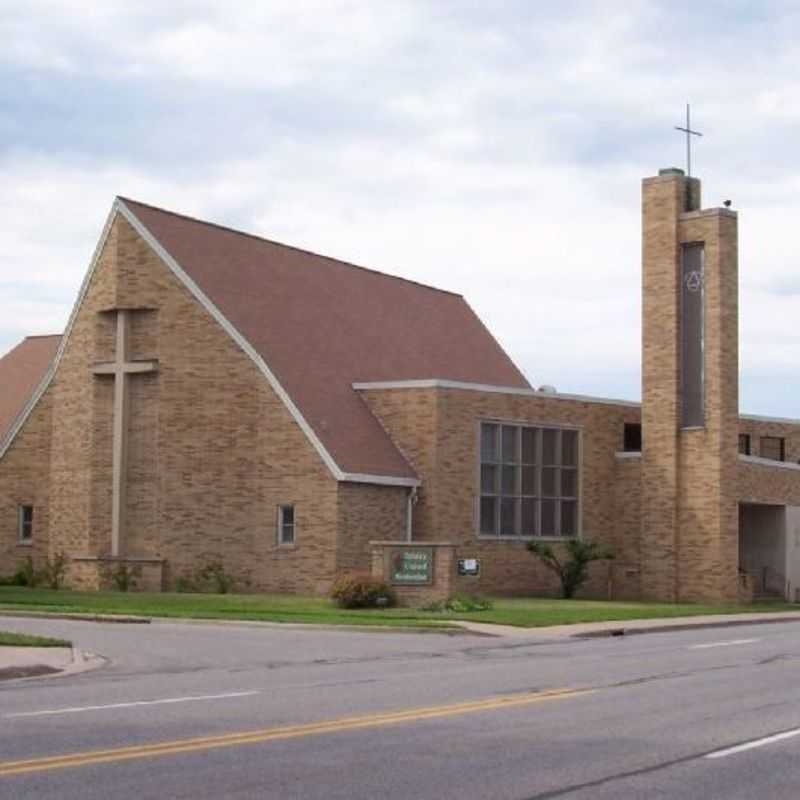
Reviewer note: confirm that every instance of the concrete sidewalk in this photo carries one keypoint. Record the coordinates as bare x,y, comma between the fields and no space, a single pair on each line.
29,662
628,627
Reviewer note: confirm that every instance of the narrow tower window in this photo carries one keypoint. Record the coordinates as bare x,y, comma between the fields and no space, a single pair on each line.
692,336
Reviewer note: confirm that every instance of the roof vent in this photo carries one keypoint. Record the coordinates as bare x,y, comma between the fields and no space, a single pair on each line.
546,388
671,171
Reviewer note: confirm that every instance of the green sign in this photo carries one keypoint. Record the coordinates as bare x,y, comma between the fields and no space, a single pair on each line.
411,566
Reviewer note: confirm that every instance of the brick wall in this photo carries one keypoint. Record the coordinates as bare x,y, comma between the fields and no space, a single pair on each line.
368,513
212,451
438,429
789,432
763,483
24,480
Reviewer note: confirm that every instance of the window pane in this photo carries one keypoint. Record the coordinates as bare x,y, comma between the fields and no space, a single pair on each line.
569,509
529,517
549,446
510,439
772,447
632,437
488,442
488,479
569,483
549,482
549,518
529,445
509,480
508,525
287,524
488,515
569,448
26,523
529,480
744,444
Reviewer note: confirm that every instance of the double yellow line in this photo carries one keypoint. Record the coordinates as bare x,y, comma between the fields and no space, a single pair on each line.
179,746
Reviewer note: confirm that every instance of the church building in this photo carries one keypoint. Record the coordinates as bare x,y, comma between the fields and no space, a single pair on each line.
217,397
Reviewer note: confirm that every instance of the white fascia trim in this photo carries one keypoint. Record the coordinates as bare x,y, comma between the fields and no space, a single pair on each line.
22,418
381,480
250,351
437,383
768,462
760,418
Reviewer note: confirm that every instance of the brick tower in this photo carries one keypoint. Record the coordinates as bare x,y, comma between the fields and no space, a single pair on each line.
690,401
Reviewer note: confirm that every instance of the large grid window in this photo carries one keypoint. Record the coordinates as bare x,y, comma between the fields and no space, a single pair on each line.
529,481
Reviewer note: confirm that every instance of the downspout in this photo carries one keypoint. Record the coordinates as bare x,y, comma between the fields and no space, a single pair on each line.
410,503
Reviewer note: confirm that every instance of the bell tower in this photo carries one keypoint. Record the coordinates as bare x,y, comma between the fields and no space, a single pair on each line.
690,402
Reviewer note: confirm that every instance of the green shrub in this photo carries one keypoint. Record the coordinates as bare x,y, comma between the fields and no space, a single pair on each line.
25,575
183,583
53,572
19,578
572,568
468,602
214,576
362,590
124,577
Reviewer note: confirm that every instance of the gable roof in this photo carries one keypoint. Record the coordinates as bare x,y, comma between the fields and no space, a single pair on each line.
22,370
320,325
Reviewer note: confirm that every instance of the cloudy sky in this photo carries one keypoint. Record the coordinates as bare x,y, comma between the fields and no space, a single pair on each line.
492,148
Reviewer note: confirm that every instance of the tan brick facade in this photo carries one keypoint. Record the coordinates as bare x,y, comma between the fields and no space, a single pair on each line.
212,451
438,430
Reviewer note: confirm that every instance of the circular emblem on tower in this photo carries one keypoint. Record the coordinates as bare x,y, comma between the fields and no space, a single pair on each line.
694,281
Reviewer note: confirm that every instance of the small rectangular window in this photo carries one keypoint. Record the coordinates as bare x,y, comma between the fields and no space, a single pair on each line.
286,525
744,444
772,447
26,524
632,437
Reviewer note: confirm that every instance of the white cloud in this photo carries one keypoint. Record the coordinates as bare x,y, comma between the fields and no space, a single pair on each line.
495,150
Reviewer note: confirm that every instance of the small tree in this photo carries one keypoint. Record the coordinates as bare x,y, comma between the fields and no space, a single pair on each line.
573,568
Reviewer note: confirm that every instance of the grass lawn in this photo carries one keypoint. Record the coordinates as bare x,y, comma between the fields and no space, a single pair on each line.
23,640
526,612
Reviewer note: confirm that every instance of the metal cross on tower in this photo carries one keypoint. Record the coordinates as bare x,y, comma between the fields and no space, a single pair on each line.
689,133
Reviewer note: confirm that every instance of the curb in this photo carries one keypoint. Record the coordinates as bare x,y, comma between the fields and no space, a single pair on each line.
453,628
122,619
81,662
449,628
680,626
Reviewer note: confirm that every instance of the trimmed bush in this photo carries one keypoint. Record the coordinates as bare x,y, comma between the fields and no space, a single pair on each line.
362,591
463,603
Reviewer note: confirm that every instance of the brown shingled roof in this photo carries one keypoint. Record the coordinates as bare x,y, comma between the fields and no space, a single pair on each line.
322,325
21,371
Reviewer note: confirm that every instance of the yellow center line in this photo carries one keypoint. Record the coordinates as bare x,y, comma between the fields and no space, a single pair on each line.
9,768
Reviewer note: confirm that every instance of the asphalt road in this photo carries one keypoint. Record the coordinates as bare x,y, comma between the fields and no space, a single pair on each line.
229,711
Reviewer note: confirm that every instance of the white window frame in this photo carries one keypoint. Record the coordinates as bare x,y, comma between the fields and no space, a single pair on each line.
21,524
283,525
560,426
